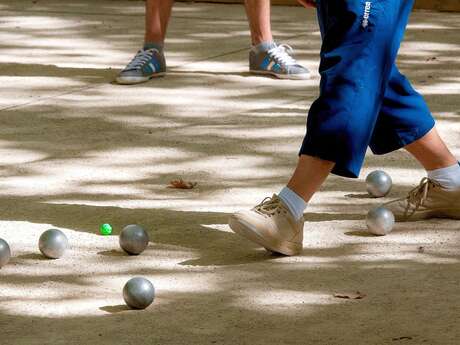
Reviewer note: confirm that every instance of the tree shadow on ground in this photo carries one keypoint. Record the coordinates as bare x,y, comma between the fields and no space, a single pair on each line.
75,160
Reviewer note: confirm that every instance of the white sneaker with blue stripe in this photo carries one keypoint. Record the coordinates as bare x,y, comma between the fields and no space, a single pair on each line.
147,64
276,60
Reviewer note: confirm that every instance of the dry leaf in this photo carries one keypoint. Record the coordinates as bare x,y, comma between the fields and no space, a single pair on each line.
357,295
402,338
181,184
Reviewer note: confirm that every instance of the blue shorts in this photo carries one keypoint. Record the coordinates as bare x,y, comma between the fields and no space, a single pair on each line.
364,100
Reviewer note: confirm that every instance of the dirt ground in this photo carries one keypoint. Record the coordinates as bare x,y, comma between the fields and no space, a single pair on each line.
77,151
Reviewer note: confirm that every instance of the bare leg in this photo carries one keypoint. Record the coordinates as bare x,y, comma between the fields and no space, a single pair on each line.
432,152
157,14
258,12
309,175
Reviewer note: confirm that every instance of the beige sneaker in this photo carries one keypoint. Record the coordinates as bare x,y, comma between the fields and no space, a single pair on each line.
271,225
428,200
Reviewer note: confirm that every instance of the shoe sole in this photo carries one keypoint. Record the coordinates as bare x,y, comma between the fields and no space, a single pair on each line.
304,76
440,214
247,231
137,80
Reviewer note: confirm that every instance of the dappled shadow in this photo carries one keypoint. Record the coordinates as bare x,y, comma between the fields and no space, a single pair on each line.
77,151
236,258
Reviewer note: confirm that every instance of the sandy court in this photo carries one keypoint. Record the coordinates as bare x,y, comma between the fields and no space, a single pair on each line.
77,151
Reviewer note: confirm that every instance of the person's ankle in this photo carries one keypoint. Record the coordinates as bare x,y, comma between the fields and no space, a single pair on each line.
154,45
263,46
294,202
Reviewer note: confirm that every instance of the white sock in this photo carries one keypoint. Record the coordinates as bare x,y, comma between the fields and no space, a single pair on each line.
448,178
264,46
294,202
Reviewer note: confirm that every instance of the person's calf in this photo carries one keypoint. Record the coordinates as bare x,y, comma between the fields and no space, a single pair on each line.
431,151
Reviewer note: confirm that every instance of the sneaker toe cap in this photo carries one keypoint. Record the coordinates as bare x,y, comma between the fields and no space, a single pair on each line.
242,217
131,73
299,71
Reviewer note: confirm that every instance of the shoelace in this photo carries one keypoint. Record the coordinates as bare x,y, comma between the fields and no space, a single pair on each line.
282,55
140,59
269,206
418,195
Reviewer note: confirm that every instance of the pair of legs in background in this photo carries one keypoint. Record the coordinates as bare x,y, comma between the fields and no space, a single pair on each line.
364,102
265,56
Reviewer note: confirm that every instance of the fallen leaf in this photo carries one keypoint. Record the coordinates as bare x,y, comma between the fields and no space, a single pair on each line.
402,338
357,295
181,184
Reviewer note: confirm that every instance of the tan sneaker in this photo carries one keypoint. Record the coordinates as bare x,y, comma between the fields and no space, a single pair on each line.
271,225
427,200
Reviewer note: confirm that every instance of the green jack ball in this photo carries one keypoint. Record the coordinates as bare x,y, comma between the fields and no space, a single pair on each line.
105,229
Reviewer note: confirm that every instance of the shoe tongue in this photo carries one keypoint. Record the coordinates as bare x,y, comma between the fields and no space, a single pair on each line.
269,201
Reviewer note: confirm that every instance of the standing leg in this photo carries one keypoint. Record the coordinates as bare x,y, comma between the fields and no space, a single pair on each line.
258,12
266,57
157,15
149,62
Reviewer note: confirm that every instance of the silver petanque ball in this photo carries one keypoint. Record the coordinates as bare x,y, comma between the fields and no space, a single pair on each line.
380,221
378,183
138,293
53,243
133,239
5,253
